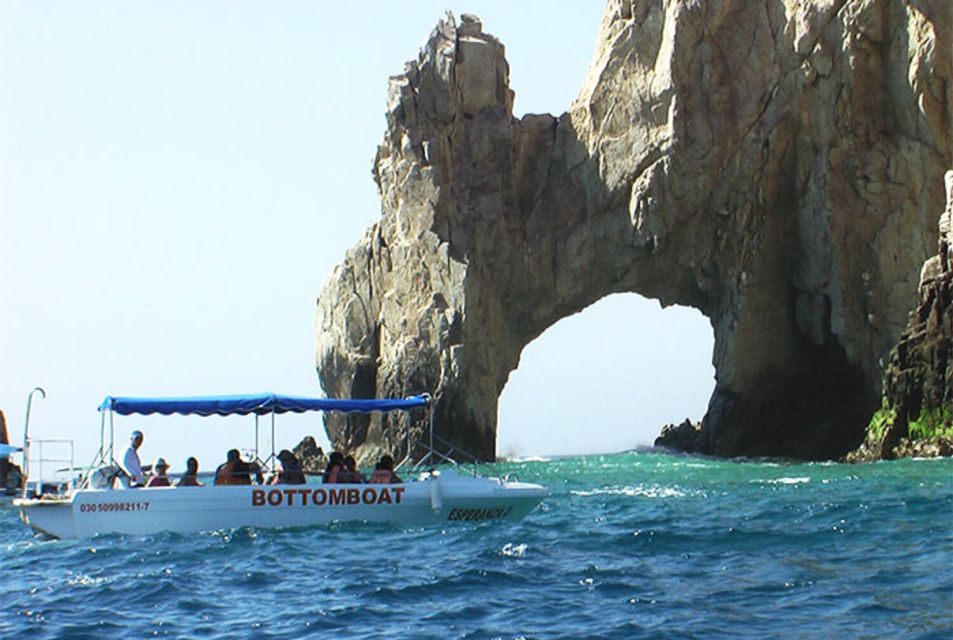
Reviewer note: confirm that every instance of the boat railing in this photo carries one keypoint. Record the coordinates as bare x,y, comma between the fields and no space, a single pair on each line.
41,459
444,452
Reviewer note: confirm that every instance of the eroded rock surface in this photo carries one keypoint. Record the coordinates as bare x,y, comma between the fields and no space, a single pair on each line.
312,458
918,383
684,436
776,165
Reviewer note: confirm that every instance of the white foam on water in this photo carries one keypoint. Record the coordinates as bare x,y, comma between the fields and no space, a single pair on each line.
782,481
513,550
639,491
83,580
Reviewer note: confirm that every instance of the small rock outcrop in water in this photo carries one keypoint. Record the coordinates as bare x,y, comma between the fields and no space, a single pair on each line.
916,419
311,456
776,165
686,436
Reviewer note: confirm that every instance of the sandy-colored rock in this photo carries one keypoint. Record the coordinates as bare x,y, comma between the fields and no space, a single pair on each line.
775,165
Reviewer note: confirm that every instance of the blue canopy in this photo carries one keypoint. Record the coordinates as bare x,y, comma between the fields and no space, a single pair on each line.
7,449
260,404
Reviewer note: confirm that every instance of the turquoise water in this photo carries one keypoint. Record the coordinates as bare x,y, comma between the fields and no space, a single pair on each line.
632,545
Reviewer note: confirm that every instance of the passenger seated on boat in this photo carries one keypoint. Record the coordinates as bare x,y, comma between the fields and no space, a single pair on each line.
335,465
190,477
255,468
233,471
159,477
291,471
349,473
384,472
131,463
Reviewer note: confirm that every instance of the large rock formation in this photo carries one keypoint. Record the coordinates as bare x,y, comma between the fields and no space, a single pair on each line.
917,414
775,165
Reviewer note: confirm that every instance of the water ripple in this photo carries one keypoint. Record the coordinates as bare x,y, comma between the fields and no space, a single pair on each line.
634,545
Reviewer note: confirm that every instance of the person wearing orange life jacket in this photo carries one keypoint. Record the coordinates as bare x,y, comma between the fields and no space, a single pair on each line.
236,471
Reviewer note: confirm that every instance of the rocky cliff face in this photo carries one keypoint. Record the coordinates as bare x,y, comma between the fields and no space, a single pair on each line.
917,414
775,165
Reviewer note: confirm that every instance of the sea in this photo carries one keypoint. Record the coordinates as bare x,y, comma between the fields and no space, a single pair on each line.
639,544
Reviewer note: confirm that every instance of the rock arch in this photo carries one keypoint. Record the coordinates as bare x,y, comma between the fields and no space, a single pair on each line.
776,167
600,381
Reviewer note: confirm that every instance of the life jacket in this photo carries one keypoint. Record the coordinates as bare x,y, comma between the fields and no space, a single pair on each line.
291,476
159,481
228,473
382,476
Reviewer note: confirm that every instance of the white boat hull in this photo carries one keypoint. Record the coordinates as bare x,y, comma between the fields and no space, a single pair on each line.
431,500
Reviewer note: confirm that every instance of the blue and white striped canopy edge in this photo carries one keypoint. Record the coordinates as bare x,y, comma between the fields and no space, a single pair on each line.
260,404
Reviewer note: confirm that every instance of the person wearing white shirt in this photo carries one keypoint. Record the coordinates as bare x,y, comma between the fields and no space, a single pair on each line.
131,461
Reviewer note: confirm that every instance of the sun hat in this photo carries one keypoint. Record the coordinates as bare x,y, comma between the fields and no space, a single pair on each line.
160,462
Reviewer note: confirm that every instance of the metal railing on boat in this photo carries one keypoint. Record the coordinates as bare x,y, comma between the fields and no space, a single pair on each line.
40,459
440,451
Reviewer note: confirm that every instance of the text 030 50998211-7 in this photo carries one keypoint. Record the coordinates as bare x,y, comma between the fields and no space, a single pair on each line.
103,507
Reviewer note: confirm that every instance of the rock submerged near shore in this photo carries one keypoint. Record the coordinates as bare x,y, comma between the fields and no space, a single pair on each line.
775,165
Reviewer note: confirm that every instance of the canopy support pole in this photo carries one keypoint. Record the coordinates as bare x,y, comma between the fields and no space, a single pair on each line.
430,417
256,435
271,459
112,438
102,439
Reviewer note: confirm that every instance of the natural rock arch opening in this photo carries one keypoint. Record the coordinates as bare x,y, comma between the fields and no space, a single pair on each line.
606,379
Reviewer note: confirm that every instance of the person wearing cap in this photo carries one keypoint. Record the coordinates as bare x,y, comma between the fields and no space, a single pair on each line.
159,477
131,463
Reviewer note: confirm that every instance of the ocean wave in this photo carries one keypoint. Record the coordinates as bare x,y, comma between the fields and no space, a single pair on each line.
632,492
521,459
626,546
800,480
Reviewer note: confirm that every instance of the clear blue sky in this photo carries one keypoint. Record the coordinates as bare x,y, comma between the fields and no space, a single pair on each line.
177,179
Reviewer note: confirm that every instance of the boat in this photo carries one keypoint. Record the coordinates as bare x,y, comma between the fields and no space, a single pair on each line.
9,473
438,488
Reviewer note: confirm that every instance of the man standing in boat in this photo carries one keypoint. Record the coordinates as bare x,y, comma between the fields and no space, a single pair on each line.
131,462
